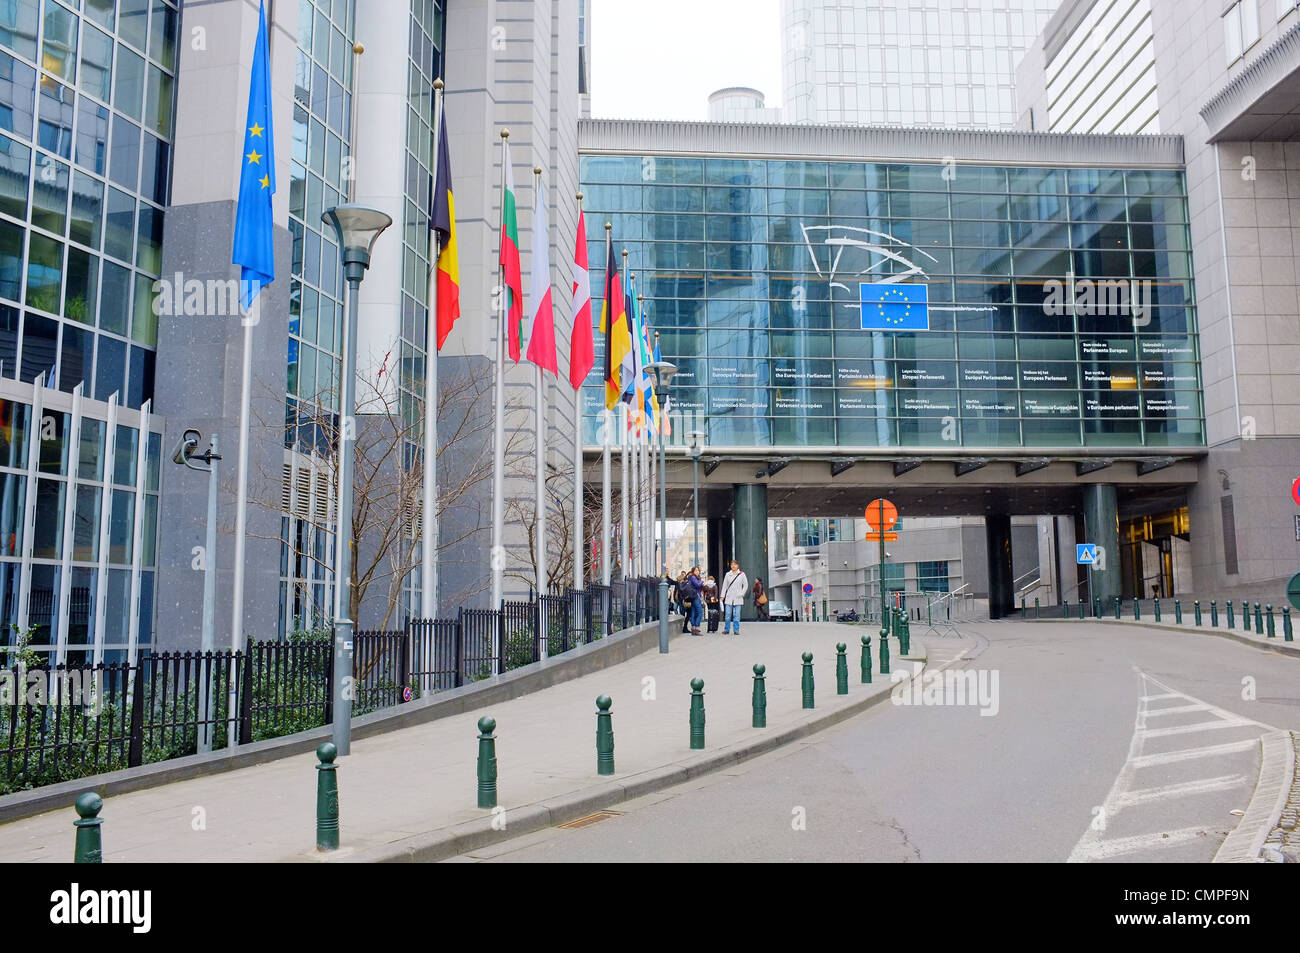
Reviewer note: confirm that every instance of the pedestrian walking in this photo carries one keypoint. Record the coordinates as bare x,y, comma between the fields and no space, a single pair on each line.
735,586
697,600
684,597
760,600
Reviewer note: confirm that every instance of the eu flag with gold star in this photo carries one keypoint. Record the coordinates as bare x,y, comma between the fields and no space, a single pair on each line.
254,248
894,306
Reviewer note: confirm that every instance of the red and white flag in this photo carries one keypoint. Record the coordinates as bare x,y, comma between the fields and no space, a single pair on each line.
582,346
541,339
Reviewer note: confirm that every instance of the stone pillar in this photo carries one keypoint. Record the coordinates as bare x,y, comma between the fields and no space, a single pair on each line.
1101,526
718,545
751,534
997,532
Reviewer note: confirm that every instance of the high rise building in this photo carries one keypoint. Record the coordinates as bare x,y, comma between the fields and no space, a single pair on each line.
948,63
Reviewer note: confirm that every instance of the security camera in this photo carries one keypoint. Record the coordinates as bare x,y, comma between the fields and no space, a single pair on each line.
189,443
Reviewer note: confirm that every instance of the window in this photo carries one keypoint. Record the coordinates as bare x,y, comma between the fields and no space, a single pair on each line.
932,576
1241,28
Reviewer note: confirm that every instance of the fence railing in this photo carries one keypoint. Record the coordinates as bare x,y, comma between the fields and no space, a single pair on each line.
67,722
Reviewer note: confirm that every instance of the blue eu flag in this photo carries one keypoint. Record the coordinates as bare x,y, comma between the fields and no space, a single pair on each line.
254,248
894,306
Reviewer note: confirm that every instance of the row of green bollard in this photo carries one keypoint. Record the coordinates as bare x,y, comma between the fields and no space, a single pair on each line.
1265,622
89,839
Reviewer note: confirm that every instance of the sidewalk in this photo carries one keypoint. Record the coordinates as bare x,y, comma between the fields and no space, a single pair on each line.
421,780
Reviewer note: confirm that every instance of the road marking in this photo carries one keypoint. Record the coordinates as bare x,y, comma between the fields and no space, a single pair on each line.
1176,710
1093,845
1199,726
1188,754
1100,850
1182,789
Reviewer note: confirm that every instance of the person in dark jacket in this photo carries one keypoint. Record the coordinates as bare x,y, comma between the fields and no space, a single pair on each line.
697,599
684,592
760,600
712,604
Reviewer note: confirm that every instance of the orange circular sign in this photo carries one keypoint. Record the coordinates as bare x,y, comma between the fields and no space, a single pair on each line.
873,515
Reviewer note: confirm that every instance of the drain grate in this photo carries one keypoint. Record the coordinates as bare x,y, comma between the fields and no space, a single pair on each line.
589,820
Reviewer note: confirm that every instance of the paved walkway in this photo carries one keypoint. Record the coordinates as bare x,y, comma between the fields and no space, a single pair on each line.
422,779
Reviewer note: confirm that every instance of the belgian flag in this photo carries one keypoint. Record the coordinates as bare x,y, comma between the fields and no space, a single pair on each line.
442,220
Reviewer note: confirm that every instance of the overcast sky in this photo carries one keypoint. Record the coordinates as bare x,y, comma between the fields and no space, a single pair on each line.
660,59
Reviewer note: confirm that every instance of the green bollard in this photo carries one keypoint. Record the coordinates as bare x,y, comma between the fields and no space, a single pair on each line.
884,652
1178,612
1214,613
841,669
1196,606
89,846
1286,624
1245,614
327,797
1038,612
1117,607
604,736
906,648
760,696
1157,608
1096,607
807,681
487,762
1232,623
1081,608
1259,621
1024,613
697,714
1137,609
1272,632
866,660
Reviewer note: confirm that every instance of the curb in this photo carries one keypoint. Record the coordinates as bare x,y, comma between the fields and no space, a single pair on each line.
1276,644
1276,773
581,660
530,818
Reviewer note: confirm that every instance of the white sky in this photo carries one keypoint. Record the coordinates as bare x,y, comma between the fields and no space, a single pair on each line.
660,59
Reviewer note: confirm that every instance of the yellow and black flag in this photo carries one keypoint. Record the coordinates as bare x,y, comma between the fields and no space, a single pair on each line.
614,326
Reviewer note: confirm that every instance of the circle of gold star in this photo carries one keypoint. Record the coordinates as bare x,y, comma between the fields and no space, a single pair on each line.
907,306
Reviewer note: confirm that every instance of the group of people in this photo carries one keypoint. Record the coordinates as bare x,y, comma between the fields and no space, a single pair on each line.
701,600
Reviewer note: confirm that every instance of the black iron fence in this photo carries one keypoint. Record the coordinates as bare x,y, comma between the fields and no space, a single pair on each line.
67,722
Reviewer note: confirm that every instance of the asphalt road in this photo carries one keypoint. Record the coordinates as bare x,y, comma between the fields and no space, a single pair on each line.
1102,743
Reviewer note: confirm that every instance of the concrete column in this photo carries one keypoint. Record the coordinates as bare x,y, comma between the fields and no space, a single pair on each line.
997,532
751,534
718,545
1101,526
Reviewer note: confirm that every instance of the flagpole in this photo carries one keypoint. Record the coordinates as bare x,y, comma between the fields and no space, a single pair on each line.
539,480
429,499
579,510
633,439
606,502
498,553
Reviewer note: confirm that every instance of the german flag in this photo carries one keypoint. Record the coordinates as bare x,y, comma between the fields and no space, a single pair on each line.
613,324
442,220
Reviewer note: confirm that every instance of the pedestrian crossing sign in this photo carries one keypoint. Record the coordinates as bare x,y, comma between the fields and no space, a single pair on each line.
1085,554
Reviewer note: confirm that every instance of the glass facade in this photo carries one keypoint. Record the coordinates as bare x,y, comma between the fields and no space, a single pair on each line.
87,100
1060,309
78,526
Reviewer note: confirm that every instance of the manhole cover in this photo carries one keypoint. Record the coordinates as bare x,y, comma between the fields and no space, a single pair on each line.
589,820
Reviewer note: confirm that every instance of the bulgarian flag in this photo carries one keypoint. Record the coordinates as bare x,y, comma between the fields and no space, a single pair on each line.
514,284
582,347
541,339
442,220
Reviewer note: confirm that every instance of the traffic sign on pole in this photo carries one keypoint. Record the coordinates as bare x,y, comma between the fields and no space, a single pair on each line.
1085,554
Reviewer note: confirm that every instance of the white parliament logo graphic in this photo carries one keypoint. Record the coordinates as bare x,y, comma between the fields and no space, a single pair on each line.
846,255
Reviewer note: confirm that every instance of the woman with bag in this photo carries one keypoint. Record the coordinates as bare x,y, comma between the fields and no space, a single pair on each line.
735,586
760,600
712,604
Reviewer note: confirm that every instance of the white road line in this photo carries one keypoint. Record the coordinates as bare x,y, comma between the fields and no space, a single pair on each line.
1176,710
1213,709
1156,698
1182,789
1199,726
1188,754
1100,850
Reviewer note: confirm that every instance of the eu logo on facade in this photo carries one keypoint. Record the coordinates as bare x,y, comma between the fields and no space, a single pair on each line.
894,306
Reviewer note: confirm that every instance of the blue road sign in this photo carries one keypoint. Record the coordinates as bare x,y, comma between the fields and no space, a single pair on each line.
894,306
807,589
1085,554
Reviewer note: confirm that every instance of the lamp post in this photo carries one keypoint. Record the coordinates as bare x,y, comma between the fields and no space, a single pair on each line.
356,228
697,447
185,456
664,372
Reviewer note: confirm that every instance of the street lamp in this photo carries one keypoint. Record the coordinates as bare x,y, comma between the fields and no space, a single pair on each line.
697,447
356,228
185,456
664,372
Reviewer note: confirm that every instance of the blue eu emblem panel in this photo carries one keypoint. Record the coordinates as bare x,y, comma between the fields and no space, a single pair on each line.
894,306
